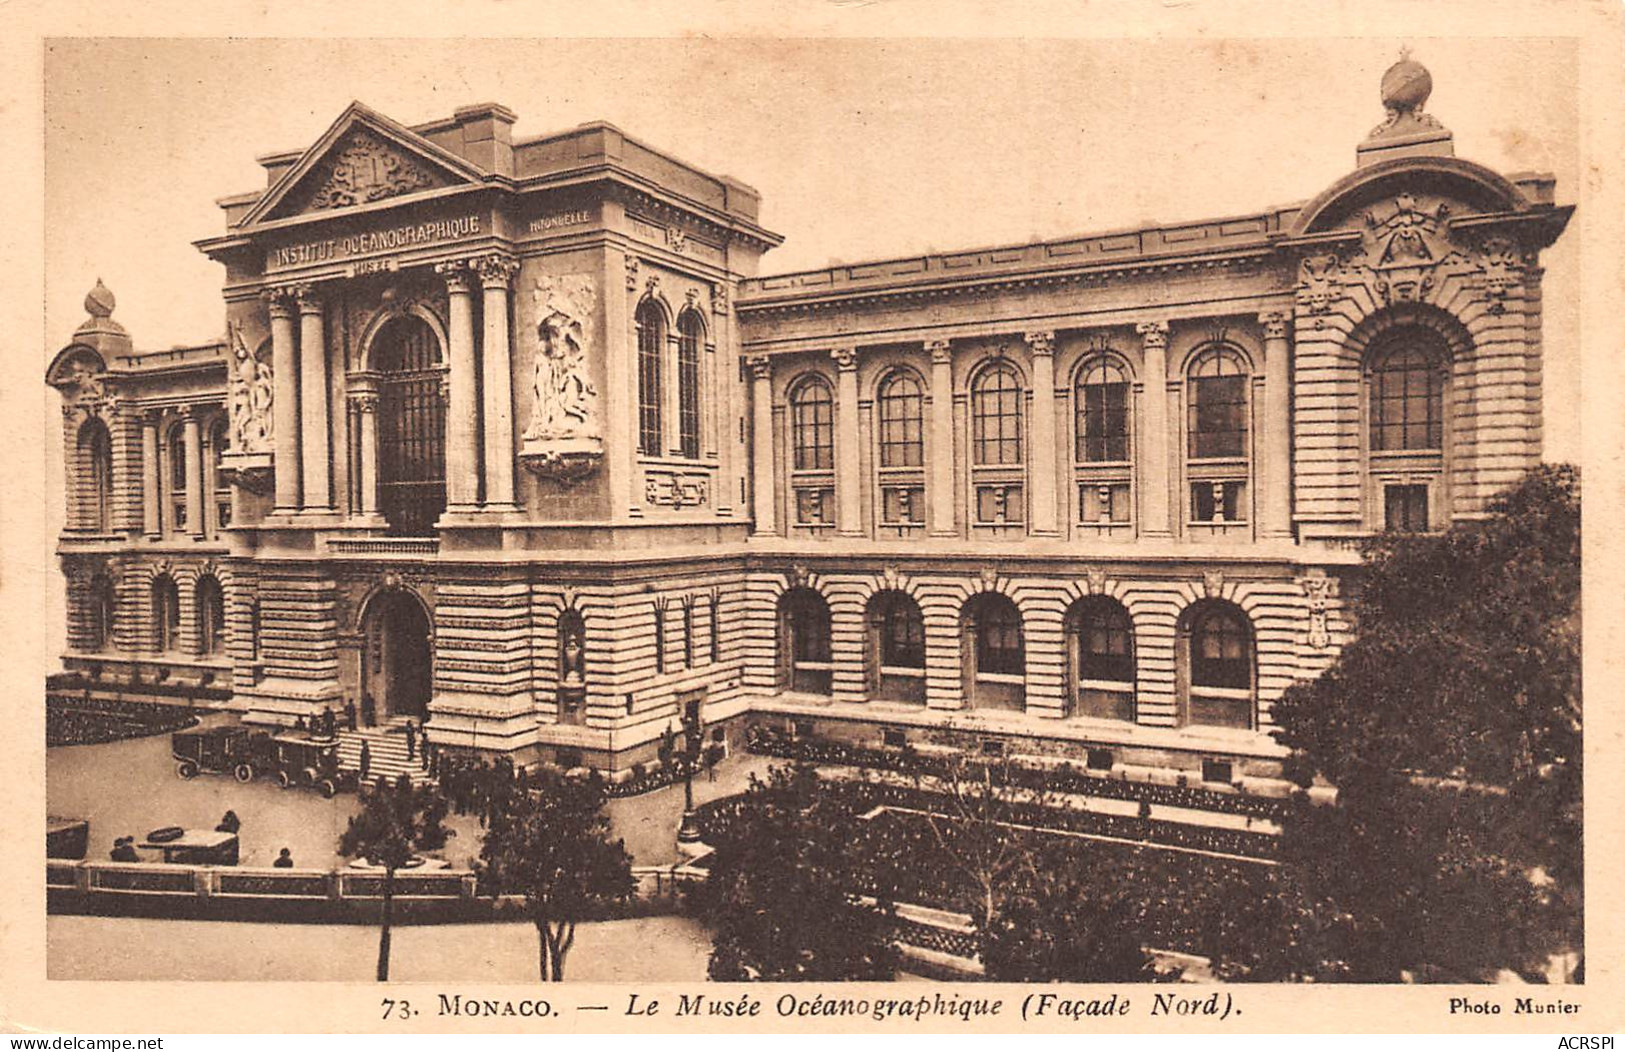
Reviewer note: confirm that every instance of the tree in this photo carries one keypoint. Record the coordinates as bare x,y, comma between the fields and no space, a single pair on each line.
1070,916
1452,728
983,829
395,822
553,848
781,899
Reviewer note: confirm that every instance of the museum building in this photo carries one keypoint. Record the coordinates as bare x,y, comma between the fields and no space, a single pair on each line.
510,434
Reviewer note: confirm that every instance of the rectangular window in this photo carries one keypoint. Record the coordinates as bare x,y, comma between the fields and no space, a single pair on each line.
1103,502
1099,759
1217,502
1000,505
1104,434
903,505
1217,771
1405,508
1218,425
894,737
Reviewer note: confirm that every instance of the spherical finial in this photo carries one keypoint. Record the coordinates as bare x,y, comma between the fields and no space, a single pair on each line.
1407,84
99,301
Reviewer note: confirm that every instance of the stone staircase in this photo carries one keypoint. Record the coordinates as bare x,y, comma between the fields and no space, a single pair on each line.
386,745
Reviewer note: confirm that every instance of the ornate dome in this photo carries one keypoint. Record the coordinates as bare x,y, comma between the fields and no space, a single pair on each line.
99,301
1406,85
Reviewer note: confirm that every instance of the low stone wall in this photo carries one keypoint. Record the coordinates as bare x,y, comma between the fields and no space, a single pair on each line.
152,889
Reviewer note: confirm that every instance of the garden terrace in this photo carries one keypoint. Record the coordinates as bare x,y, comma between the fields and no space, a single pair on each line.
72,720
1065,778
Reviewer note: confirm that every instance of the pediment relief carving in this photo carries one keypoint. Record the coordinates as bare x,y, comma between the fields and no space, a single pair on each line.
1408,248
362,167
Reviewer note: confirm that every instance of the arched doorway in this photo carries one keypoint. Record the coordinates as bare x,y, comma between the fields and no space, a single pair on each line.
411,426
397,664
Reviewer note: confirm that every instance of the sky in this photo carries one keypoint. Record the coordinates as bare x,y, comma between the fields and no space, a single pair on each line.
861,148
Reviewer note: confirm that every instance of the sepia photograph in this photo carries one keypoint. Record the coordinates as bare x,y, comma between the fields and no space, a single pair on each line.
819,510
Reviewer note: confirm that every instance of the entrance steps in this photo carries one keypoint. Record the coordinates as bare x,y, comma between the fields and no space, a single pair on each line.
386,748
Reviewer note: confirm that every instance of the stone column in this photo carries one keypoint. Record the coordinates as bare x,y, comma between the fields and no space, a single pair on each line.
284,400
197,516
150,523
496,375
1041,456
314,428
1154,433
366,411
1276,428
761,443
462,409
848,478
942,439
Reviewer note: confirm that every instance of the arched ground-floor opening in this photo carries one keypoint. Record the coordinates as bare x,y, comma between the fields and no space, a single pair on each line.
397,657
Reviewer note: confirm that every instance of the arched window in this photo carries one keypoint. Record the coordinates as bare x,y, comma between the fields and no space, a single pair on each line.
812,451
411,426
166,614
997,460
218,441
1406,409
896,647
995,653
99,615
211,616
1218,661
176,451
651,326
96,465
1100,644
901,404
690,338
996,416
1218,463
804,651
1100,444
572,666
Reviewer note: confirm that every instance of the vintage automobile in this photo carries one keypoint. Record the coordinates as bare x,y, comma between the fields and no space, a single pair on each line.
243,752
195,847
311,763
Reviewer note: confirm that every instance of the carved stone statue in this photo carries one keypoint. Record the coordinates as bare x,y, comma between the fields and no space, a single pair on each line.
251,395
565,403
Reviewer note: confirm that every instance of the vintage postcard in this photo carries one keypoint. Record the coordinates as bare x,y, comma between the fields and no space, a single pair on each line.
893,517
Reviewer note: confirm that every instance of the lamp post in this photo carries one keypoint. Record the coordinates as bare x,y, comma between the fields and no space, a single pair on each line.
689,831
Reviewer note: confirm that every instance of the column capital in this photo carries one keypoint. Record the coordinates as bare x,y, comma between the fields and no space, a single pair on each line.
761,366
1274,322
846,358
1041,343
1153,333
940,352
455,274
278,299
151,417
364,401
309,301
496,270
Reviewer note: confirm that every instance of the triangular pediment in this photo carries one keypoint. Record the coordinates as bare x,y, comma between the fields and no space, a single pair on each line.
362,158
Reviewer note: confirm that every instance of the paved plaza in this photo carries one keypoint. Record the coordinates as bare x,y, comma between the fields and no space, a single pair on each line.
129,787
645,949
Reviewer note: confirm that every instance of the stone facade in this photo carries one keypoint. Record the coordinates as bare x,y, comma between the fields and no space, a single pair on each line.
516,425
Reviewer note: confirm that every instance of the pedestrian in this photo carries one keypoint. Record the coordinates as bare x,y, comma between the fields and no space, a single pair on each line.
284,860
411,739
327,721
349,714
427,745
124,850
299,724
369,709
366,762
229,823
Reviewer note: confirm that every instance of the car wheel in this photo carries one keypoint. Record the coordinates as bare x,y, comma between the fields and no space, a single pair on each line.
186,769
329,790
283,780
244,773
